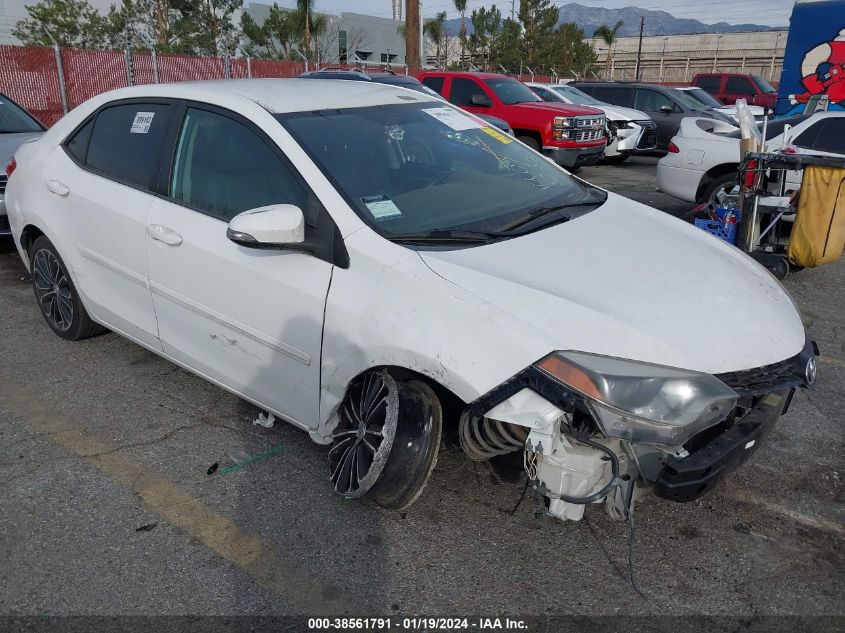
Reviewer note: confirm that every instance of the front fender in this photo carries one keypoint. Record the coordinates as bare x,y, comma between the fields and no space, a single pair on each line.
389,309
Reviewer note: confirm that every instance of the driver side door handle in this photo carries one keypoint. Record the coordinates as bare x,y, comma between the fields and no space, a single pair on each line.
164,234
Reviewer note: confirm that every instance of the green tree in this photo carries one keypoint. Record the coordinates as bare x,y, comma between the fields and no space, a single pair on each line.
608,36
539,19
506,45
461,6
70,23
275,37
435,28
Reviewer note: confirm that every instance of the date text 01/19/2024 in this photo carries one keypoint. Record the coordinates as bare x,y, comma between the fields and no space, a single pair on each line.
415,624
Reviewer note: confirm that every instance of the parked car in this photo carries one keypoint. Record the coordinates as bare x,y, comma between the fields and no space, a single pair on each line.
666,106
728,87
703,158
362,262
572,136
708,101
628,131
16,126
392,79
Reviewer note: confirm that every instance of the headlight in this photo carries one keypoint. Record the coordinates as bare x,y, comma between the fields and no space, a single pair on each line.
563,128
642,402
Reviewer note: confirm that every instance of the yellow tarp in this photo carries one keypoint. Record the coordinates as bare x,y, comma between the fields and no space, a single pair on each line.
818,236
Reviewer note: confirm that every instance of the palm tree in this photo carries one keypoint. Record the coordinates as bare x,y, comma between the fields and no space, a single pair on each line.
461,5
305,8
608,36
435,29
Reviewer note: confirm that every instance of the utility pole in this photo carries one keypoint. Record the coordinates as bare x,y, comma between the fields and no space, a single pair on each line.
513,9
639,49
412,33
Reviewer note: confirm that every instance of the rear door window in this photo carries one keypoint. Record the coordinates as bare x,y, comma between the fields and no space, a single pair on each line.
710,83
435,83
827,135
126,143
77,145
617,95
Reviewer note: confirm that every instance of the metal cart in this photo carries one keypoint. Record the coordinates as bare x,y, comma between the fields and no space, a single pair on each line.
767,204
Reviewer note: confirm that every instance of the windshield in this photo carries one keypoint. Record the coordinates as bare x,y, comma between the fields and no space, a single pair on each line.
576,96
511,91
687,99
415,168
13,118
704,97
762,84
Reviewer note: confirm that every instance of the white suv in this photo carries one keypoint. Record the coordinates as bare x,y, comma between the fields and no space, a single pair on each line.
351,258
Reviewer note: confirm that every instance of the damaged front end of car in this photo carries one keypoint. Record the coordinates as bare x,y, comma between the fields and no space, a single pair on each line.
596,428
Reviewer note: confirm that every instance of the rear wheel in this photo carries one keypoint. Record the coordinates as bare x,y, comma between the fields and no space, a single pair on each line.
386,441
725,181
57,297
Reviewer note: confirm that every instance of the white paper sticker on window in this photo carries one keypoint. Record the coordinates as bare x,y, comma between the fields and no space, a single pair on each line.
142,122
453,118
382,207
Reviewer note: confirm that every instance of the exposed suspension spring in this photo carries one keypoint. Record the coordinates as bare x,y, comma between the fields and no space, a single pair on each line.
482,438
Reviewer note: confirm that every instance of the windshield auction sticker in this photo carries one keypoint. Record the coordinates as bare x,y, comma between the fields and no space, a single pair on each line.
142,122
453,118
382,207
496,134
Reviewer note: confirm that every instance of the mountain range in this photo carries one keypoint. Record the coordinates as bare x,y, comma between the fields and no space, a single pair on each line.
589,19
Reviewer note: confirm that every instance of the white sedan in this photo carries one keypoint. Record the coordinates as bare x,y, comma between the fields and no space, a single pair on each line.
704,156
629,131
369,263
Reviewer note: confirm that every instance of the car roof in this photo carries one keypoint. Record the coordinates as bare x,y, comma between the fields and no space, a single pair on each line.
459,73
278,95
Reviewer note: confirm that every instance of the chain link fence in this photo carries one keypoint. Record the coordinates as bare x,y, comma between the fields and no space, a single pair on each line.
50,81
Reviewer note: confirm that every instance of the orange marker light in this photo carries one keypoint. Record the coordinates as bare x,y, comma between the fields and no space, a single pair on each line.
570,374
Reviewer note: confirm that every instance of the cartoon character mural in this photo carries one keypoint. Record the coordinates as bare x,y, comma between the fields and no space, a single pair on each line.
813,75
823,72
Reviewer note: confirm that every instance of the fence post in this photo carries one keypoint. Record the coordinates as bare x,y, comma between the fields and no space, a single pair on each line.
227,67
60,71
127,60
154,60
248,67
686,70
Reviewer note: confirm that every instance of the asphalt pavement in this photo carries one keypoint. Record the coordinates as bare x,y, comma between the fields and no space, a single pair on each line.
107,507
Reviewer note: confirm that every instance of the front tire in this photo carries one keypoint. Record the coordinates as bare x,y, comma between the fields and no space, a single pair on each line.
57,297
386,440
530,141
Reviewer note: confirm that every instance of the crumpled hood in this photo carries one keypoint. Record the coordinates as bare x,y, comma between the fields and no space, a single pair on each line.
629,281
618,113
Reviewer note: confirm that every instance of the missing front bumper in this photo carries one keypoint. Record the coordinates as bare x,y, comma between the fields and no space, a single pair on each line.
689,477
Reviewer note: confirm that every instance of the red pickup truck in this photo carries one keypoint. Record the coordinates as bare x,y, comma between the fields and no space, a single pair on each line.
570,135
728,87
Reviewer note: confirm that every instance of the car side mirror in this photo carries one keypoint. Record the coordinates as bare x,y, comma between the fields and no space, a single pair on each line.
273,226
666,108
481,101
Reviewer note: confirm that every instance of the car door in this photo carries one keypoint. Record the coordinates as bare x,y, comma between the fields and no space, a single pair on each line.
104,177
739,88
462,91
250,319
665,113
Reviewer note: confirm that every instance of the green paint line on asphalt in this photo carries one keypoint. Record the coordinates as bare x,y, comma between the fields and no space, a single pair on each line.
257,458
